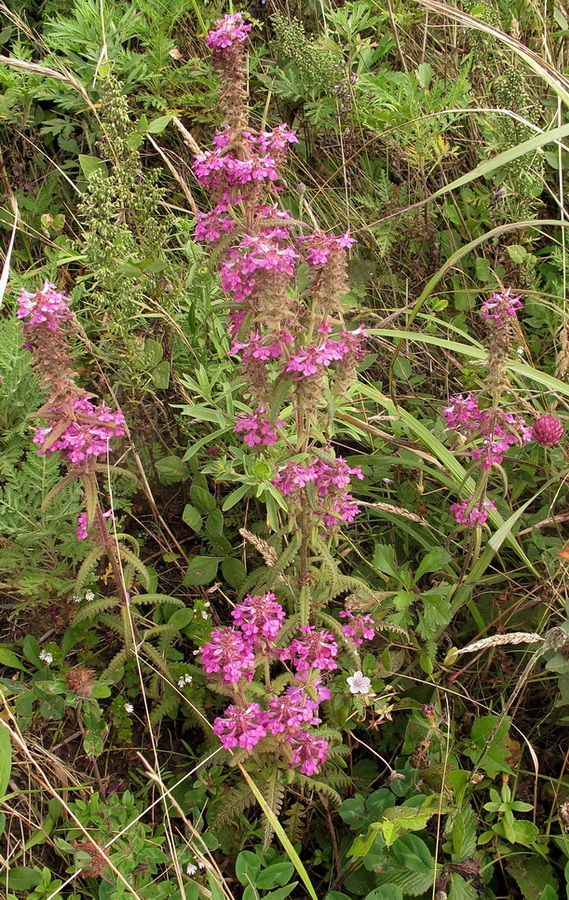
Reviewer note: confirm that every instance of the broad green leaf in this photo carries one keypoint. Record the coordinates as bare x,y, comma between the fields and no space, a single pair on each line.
192,518
275,875
201,570
9,658
158,125
385,892
172,469
234,572
202,499
22,878
433,562
91,164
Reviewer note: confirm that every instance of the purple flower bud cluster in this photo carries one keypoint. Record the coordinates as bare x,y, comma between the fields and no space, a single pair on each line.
232,654
331,478
493,431
547,431
472,514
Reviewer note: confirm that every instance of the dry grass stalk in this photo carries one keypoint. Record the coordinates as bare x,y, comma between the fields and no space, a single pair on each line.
267,552
499,640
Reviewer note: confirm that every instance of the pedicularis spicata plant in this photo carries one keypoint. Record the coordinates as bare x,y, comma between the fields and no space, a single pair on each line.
295,357
78,429
488,432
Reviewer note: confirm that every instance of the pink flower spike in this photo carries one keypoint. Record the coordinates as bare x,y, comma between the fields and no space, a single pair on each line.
500,306
308,751
229,31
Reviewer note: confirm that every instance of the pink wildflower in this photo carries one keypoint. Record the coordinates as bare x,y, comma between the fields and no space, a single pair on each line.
308,751
260,615
256,429
47,306
359,628
474,517
315,650
241,727
228,31
230,653
500,306
291,710
88,433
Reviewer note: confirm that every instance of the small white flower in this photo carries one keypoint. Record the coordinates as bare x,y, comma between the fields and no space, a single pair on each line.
201,865
76,599
520,351
207,604
89,595
184,679
204,614
46,657
128,708
191,869
195,652
388,481
359,684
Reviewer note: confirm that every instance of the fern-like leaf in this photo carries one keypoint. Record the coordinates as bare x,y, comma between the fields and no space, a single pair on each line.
94,608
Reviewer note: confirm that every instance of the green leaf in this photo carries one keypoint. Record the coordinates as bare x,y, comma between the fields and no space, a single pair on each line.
172,469
384,560
21,878
532,874
160,375
235,496
414,854
157,126
281,893
434,561
192,517
234,572
495,760
460,889
91,164
32,650
5,759
247,867
9,658
385,892
201,570
274,876
202,499
517,253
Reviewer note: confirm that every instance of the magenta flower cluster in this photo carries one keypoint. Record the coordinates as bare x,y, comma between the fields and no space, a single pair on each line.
229,30
498,429
331,478
232,654
88,434
359,628
500,307
471,514
47,306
